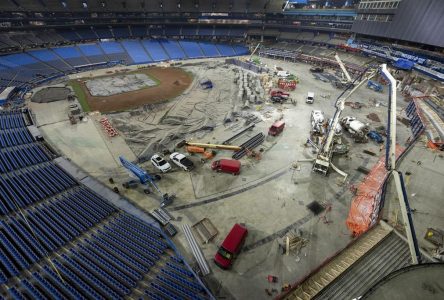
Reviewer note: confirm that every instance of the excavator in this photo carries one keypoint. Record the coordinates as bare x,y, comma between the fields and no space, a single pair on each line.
145,178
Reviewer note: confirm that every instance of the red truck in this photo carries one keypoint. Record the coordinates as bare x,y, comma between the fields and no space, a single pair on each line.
279,96
231,166
231,246
276,128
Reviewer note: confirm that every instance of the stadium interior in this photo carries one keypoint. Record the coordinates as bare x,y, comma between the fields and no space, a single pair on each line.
97,97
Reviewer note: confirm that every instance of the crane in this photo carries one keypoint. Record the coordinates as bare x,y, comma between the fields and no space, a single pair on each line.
344,70
254,51
145,178
211,146
322,163
391,166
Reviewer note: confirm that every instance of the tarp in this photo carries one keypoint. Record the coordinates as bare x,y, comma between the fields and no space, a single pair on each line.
404,64
364,209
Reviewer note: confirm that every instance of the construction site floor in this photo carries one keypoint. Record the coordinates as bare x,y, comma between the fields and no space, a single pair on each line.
270,196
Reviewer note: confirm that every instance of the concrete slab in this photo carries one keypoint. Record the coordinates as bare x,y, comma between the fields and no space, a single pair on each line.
270,195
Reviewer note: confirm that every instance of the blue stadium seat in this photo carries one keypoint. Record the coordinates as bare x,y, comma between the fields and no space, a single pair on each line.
103,33
71,55
240,50
225,50
172,30
49,58
192,49
189,31
93,53
86,34
206,31
121,32
173,49
155,50
115,51
136,52
139,31
209,49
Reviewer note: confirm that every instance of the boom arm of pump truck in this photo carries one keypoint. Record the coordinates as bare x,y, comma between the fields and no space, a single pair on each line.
340,104
392,168
254,51
211,146
143,175
344,70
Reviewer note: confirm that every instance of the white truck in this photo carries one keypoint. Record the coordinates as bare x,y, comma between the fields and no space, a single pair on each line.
310,98
282,74
317,122
356,128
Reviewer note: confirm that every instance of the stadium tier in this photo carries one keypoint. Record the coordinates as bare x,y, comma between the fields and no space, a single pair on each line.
34,66
61,240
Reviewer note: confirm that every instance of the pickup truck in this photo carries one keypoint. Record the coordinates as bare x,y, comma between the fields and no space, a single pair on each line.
182,161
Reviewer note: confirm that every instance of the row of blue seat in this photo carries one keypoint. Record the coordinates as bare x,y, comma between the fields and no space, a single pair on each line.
14,137
17,157
25,187
54,224
11,119
106,265
143,31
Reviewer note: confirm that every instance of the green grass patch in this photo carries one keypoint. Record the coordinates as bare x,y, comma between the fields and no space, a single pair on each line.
80,94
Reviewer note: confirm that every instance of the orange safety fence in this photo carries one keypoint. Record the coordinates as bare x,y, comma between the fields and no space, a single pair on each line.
364,207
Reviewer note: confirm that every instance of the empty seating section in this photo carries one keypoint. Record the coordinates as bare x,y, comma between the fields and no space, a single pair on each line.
209,49
173,49
172,30
192,49
189,31
237,32
71,55
107,264
155,50
225,50
103,33
139,31
240,50
21,156
93,53
115,51
221,31
121,32
69,35
86,34
136,51
60,240
206,31
51,59
34,66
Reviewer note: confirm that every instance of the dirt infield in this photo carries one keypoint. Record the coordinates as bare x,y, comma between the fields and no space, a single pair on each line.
172,83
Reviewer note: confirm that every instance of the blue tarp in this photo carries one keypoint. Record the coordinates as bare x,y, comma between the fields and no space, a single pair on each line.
298,1
404,64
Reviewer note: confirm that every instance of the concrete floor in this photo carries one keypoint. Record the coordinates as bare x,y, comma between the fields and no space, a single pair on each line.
269,196
424,191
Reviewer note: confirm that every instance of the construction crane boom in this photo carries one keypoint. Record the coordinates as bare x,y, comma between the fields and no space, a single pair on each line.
211,146
344,70
145,178
323,160
390,164
254,51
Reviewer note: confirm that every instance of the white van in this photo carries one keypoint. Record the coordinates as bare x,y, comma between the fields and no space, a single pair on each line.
310,98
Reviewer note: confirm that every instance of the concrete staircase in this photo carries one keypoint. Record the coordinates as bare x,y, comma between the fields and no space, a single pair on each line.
333,270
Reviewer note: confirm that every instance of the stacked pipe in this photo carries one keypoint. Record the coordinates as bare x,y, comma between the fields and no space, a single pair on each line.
249,145
109,129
